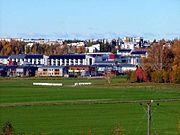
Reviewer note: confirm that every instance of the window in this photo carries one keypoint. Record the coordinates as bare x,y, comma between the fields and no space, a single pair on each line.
56,70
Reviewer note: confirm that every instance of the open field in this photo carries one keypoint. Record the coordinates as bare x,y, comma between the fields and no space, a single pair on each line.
80,110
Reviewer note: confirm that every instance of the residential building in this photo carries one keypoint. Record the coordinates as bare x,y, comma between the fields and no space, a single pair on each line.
51,71
28,59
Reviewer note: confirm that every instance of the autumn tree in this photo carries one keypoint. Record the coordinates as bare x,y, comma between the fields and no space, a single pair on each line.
163,62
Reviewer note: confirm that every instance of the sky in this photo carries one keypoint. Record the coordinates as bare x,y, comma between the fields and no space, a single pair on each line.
85,19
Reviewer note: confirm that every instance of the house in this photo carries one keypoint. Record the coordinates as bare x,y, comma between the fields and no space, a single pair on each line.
51,71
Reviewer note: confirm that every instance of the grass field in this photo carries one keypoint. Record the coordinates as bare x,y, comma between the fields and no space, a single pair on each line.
97,109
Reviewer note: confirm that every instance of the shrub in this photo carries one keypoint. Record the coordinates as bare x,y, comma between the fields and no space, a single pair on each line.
175,75
157,76
165,76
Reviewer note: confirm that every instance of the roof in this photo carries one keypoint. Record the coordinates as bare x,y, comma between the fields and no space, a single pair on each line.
26,56
71,56
16,66
138,52
78,66
52,67
124,50
34,56
102,65
105,63
4,57
20,56
127,65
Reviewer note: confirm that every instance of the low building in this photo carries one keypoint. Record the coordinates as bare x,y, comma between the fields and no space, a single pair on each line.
81,70
25,71
17,71
51,71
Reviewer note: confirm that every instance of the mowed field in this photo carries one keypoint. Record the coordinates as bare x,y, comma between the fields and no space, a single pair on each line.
99,109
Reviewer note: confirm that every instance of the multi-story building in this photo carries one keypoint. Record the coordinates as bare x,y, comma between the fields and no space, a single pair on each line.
28,59
71,59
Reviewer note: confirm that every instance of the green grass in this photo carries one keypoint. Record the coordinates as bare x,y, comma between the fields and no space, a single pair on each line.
78,119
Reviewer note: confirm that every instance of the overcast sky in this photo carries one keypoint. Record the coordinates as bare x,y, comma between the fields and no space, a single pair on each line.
84,19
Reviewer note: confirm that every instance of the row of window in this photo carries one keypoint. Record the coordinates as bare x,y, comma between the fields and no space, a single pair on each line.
56,70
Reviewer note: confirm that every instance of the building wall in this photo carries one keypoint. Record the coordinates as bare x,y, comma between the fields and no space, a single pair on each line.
50,72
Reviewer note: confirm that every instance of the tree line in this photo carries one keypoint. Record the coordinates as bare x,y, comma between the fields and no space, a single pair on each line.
19,47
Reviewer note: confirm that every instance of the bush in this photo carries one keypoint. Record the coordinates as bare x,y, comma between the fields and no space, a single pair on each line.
157,76
165,76
131,76
175,75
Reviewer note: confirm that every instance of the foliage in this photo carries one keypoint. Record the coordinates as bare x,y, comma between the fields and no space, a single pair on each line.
13,47
132,75
19,47
157,76
163,62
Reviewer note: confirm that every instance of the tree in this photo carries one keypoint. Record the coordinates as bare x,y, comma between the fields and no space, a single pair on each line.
154,60
176,52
